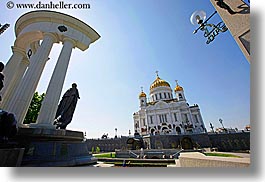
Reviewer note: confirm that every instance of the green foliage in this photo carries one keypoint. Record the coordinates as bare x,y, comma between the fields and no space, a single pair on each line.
34,108
221,155
97,149
92,150
105,155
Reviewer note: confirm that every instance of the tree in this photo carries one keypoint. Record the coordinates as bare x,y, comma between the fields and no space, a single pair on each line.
34,108
97,150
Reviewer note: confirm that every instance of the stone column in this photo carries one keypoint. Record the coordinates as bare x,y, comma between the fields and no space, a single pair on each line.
52,97
15,82
19,104
10,70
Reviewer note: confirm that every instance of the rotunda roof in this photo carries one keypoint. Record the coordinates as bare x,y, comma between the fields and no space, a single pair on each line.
159,83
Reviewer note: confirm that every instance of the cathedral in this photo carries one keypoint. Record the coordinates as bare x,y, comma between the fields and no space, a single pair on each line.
165,114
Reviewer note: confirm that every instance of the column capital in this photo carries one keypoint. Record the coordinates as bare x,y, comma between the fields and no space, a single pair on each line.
67,39
25,60
35,45
18,50
54,36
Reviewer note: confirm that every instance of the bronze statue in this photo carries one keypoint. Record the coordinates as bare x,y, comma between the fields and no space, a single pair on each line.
66,107
8,126
8,122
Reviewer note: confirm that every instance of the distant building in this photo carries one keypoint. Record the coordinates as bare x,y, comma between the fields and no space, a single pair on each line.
247,128
164,114
226,130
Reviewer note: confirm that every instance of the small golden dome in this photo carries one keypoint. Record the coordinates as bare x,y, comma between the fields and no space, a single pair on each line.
178,88
142,94
159,83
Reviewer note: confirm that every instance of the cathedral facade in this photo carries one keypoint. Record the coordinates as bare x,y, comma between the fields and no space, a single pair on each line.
165,114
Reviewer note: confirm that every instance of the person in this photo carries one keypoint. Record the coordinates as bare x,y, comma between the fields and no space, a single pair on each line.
66,107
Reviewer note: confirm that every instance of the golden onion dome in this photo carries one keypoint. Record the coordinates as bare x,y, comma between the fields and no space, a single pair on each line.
178,88
142,94
159,83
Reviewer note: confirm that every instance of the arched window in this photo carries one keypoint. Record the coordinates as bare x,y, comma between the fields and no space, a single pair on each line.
151,119
136,124
175,116
180,96
178,130
152,131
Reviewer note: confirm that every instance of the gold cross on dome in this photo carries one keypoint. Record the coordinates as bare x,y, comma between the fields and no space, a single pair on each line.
157,73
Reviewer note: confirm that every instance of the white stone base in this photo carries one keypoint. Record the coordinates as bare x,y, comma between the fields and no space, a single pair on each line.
196,159
46,126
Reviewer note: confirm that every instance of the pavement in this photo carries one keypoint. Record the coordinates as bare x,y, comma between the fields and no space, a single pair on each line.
243,155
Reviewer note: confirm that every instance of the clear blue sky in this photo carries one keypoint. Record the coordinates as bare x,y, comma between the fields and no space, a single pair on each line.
139,37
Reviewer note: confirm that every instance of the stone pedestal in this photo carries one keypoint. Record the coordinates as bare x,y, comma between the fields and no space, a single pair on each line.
49,148
236,16
11,157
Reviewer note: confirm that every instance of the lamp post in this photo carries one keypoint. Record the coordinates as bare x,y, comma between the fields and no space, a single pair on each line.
221,121
210,30
211,126
115,132
3,27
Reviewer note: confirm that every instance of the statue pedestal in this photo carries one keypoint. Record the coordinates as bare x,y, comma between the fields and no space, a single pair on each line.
50,147
36,125
10,156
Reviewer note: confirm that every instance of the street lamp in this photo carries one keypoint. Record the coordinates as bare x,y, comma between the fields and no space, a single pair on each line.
4,27
211,126
115,132
210,30
221,121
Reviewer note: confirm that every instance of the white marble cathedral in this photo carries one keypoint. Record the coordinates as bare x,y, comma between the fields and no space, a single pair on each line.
165,114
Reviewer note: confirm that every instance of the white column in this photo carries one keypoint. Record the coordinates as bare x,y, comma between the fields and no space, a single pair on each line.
52,97
19,104
15,82
10,70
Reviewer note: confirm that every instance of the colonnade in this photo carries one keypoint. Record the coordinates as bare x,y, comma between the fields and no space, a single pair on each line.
22,77
23,71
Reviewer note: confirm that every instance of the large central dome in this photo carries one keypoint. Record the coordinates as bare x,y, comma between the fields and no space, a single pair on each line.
159,83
